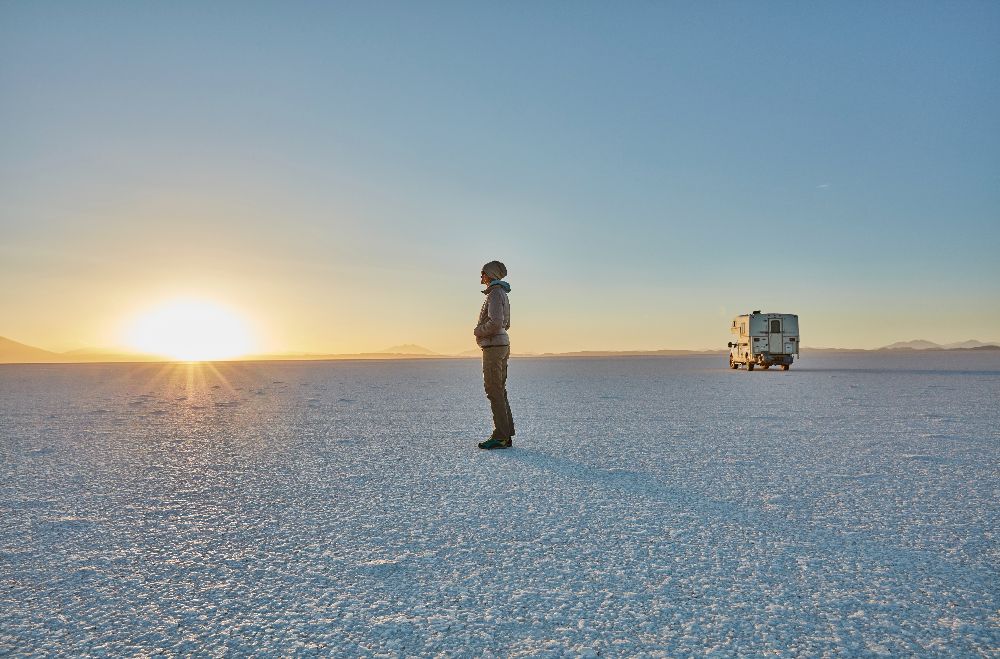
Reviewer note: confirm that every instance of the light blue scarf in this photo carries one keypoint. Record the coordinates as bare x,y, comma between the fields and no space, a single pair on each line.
498,282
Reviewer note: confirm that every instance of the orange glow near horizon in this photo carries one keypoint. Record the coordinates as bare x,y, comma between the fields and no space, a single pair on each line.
189,330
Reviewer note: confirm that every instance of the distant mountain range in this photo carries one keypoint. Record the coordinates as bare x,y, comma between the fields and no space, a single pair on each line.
12,352
407,349
920,344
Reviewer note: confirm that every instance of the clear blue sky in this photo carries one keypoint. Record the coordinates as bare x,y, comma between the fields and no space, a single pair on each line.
646,170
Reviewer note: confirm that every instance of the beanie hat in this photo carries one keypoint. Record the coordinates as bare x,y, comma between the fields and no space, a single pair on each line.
495,270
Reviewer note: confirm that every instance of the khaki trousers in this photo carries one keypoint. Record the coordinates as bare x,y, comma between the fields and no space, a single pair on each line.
495,382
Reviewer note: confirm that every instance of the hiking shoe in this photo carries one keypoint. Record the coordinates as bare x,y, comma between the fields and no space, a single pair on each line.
495,442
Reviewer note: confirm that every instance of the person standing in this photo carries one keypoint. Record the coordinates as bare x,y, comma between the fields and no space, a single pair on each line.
491,335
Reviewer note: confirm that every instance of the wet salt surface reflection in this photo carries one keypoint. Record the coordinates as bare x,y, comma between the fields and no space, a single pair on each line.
663,505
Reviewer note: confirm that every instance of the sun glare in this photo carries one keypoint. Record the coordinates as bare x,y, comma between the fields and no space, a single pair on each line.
190,330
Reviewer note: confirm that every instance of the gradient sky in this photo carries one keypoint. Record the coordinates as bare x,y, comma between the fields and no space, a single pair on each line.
339,172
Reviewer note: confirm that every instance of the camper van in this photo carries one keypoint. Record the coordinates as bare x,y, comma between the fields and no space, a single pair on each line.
765,340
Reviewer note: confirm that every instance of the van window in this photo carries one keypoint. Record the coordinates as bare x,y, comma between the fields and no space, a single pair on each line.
775,326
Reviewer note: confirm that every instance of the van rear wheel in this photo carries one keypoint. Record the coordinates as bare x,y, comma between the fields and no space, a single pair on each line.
785,367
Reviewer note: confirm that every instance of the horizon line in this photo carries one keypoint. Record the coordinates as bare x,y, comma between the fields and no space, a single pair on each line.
374,357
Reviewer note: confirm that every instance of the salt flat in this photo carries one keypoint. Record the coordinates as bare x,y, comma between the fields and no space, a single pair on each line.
652,506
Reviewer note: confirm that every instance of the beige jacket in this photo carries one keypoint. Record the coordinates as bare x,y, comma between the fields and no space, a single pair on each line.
494,318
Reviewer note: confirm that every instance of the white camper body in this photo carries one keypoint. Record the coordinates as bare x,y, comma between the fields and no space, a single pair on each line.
764,339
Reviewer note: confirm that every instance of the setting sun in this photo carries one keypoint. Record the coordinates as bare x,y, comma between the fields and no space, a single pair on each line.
190,330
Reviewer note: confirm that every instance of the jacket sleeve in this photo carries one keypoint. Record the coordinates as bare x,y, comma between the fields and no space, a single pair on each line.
494,316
